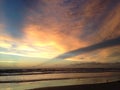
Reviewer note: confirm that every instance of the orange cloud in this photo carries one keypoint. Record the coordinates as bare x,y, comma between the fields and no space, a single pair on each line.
50,39
103,55
55,28
110,27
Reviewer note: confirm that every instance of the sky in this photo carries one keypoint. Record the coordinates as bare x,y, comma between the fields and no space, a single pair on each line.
46,31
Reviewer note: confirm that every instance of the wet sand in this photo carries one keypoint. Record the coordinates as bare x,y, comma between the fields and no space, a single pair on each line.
102,86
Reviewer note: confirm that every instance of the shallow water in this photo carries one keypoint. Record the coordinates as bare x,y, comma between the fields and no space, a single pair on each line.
49,80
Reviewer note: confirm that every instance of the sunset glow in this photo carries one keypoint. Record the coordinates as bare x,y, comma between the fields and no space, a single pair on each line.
54,29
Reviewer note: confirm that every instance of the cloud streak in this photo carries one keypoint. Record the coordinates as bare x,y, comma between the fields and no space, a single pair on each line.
102,45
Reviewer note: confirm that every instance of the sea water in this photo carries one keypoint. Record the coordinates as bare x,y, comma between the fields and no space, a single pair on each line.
22,82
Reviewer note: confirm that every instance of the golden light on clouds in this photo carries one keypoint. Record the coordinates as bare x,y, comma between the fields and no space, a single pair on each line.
48,29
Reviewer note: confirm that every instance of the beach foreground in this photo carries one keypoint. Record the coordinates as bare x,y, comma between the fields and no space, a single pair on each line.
102,86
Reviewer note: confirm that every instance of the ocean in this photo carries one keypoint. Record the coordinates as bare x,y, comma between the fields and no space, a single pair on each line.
40,80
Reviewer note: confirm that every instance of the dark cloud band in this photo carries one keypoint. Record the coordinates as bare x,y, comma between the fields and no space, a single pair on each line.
101,45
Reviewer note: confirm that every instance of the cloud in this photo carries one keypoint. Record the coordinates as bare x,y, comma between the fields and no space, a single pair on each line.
45,29
54,24
100,55
52,28
102,45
